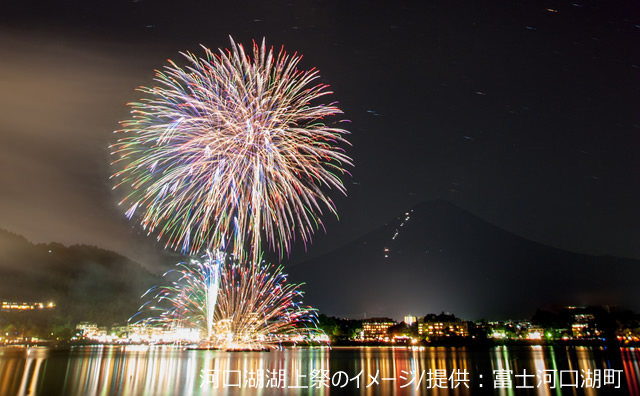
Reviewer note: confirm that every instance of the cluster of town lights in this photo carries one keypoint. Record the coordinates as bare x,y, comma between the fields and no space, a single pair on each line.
139,334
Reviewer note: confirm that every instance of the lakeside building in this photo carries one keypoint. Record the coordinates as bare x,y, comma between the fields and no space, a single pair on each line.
458,328
513,330
120,330
583,325
535,333
376,328
90,330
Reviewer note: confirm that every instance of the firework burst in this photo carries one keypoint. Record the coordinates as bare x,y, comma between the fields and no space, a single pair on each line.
230,148
232,304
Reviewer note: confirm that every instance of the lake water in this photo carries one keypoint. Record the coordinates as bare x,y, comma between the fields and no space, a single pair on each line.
142,370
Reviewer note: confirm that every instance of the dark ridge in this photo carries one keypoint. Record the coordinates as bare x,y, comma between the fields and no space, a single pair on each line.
447,259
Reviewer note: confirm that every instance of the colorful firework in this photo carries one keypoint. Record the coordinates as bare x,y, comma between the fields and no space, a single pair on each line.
232,304
229,148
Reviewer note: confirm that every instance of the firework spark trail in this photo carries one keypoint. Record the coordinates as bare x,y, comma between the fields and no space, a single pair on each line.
228,148
253,308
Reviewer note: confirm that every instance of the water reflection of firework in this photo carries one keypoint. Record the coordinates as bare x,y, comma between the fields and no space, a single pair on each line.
234,305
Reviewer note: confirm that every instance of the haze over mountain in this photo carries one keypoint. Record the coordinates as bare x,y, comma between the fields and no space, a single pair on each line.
85,282
437,257
434,257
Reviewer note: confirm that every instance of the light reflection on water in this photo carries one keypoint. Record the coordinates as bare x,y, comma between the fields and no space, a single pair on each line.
141,370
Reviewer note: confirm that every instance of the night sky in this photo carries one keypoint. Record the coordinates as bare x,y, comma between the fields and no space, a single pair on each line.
526,114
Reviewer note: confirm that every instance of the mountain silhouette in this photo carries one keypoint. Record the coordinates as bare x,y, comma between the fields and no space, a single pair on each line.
438,257
85,282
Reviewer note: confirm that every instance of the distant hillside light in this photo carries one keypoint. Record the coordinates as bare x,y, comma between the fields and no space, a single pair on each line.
25,306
